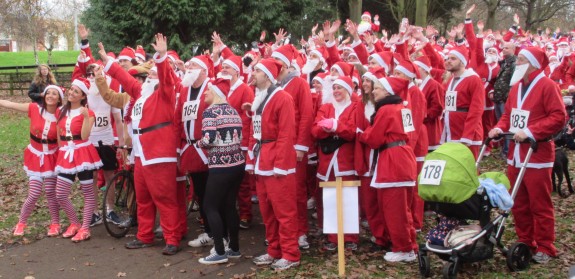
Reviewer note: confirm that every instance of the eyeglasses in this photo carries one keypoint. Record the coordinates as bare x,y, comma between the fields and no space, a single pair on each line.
90,74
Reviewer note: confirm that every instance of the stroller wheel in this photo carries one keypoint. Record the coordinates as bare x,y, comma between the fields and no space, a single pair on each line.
424,264
518,257
449,271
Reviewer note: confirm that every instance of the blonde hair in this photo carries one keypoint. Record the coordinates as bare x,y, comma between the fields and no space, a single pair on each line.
39,79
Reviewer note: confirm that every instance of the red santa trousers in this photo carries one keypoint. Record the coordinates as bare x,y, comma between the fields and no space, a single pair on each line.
301,196
245,197
417,204
319,201
277,200
533,209
396,215
156,187
182,208
311,180
369,204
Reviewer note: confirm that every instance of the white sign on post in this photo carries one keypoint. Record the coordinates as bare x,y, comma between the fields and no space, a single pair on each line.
350,210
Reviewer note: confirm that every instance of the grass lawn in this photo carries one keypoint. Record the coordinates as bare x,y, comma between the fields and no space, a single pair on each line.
26,58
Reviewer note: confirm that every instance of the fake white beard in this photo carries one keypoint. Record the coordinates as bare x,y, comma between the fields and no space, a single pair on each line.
340,106
309,66
369,109
519,73
93,88
491,58
552,66
363,26
561,52
149,86
327,91
221,75
259,98
190,77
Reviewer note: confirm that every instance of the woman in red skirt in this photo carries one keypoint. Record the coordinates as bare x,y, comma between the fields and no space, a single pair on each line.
76,157
40,155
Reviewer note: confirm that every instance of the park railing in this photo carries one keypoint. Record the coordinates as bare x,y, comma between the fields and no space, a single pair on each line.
17,79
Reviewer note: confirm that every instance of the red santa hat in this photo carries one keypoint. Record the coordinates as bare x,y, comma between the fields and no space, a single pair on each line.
563,41
321,52
221,87
423,62
285,54
127,53
298,61
345,82
366,14
384,59
320,77
205,62
394,85
83,84
535,56
461,53
111,55
344,69
407,68
235,62
553,54
140,53
173,55
270,67
374,74
57,88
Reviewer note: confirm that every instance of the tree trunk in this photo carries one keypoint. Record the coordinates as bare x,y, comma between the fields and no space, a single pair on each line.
35,48
492,6
529,15
355,10
421,12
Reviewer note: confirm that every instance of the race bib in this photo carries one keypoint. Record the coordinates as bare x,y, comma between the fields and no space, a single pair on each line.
138,109
257,123
451,101
407,120
102,120
432,172
518,120
190,111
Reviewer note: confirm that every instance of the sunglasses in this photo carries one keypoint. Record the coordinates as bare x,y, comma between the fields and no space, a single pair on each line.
90,74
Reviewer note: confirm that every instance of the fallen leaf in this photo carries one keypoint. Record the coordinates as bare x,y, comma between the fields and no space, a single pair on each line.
220,274
88,264
182,271
121,274
230,264
167,264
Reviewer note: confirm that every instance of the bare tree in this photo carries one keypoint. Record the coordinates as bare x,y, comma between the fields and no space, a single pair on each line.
536,12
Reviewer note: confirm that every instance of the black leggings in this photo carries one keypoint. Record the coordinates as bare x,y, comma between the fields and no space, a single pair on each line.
220,206
199,180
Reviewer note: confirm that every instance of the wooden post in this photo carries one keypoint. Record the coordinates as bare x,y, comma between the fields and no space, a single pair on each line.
339,184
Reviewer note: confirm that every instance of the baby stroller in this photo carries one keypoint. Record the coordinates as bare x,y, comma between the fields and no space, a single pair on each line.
456,193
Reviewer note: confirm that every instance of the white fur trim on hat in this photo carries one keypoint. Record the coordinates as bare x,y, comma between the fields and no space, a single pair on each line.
81,85
386,86
124,57
370,76
532,60
266,71
280,56
344,85
459,55
199,62
57,89
423,66
405,71
217,91
338,69
379,60
232,64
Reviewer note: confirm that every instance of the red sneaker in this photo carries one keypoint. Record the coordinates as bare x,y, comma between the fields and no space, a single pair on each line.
71,231
54,230
19,230
83,234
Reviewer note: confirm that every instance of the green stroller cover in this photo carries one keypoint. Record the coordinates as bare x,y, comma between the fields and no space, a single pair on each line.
448,175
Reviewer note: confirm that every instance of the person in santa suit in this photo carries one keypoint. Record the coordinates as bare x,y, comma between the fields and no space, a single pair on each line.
155,140
334,128
126,58
314,65
363,157
298,88
76,157
40,156
464,102
434,96
193,160
366,25
533,110
387,133
272,158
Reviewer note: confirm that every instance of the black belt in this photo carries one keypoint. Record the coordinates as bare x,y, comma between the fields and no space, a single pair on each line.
462,109
258,145
191,142
392,144
151,128
74,137
43,141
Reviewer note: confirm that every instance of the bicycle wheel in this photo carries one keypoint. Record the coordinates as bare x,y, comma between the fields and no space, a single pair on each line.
122,203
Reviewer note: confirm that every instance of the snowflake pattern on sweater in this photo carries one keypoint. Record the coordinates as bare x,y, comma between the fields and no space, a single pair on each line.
222,130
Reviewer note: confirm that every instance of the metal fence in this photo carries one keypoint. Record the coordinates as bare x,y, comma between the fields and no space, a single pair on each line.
14,80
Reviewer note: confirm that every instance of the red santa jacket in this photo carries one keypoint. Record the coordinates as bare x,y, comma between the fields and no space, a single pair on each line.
487,73
299,90
241,93
396,166
434,96
158,145
464,125
546,118
419,111
277,156
193,158
340,162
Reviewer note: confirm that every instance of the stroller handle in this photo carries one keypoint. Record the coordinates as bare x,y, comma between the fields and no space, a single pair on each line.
509,135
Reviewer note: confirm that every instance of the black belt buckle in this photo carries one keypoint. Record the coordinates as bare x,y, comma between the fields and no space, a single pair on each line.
137,131
257,148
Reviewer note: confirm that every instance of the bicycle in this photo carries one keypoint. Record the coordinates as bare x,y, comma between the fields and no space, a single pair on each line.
121,186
